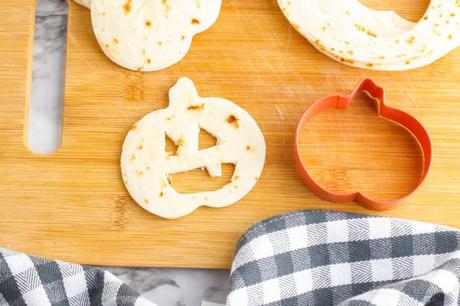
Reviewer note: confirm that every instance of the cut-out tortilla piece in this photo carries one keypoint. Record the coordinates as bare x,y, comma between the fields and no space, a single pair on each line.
150,35
350,33
146,164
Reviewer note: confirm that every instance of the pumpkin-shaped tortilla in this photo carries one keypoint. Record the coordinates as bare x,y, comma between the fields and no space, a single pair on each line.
146,164
150,35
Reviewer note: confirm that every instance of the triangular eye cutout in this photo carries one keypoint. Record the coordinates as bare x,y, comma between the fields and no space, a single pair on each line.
206,140
170,146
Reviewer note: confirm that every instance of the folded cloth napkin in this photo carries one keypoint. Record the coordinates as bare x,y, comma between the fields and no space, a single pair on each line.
27,280
302,258
332,258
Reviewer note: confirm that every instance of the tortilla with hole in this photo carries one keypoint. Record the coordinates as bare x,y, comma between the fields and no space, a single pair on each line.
146,164
353,34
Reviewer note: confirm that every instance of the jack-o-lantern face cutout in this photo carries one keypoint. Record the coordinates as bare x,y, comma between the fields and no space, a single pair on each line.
146,164
149,35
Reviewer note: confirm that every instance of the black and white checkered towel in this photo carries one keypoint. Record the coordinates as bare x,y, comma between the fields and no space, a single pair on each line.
26,280
330,258
303,258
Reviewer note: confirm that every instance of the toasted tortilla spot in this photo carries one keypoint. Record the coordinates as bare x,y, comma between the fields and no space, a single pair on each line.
364,30
165,3
127,7
346,60
199,107
233,120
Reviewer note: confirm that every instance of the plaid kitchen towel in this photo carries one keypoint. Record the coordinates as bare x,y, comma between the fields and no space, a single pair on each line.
27,280
303,258
332,258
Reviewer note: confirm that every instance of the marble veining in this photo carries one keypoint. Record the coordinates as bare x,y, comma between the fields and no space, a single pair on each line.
178,287
165,287
46,102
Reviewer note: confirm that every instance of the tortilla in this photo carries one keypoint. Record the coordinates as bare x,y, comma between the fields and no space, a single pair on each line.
86,3
355,35
150,35
146,165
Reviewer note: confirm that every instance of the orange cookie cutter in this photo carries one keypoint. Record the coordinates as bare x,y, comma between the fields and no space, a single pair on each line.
397,116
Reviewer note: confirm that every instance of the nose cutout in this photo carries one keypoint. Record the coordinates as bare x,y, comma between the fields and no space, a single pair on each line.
45,109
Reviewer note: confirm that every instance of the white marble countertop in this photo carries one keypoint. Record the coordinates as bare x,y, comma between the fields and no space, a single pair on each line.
165,287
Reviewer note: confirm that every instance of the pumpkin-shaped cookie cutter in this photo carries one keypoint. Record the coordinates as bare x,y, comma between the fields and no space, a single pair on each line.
397,116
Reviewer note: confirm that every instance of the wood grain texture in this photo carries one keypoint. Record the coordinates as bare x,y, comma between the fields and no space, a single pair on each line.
72,205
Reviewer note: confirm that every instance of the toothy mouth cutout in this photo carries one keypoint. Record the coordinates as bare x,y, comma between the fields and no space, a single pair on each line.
399,117
353,34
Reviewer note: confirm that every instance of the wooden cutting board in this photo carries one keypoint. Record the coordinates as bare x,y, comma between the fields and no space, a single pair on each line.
72,205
